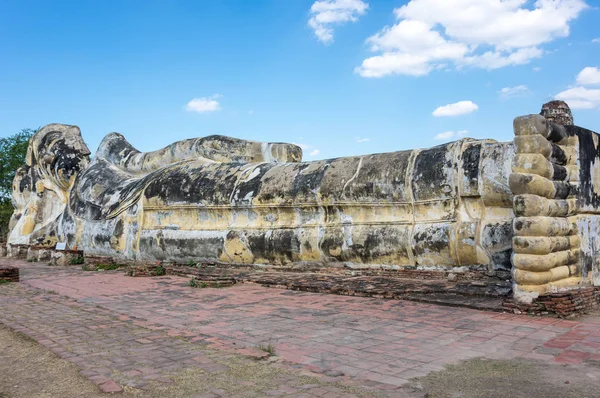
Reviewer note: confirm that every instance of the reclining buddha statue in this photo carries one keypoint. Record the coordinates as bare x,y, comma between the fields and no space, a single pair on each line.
248,202
459,205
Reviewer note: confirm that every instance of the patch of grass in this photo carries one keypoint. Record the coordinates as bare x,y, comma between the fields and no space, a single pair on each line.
268,348
101,267
52,292
108,267
196,283
4,282
191,263
160,271
77,260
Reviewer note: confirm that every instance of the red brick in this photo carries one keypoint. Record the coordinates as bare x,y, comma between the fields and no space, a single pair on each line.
110,387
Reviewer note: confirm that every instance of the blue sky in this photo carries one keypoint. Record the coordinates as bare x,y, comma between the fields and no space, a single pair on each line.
340,77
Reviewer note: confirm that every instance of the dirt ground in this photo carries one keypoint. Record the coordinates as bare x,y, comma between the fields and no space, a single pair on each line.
28,369
481,378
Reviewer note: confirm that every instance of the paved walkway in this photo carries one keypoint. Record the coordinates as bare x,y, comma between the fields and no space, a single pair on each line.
135,330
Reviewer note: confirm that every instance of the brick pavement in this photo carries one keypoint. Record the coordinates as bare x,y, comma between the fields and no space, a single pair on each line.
369,341
117,350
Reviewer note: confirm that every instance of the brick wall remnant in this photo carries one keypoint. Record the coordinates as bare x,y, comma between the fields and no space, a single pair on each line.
9,273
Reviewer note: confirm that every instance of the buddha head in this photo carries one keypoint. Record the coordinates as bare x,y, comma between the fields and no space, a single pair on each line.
56,154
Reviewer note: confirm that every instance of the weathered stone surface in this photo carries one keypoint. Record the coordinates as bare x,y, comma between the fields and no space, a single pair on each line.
66,257
17,250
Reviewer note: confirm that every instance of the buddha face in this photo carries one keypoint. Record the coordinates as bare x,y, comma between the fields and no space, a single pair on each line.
57,153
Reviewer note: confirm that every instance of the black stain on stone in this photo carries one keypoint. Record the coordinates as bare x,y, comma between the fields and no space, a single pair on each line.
589,154
278,246
247,190
563,189
433,239
497,239
118,228
102,240
560,172
557,133
382,242
307,183
470,165
331,245
192,247
25,184
558,156
429,177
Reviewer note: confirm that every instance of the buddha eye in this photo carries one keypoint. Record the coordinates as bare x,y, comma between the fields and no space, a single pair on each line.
48,158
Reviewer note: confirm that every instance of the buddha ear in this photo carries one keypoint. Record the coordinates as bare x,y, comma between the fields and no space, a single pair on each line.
29,156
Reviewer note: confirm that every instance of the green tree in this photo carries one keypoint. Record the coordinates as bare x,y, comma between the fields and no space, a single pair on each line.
12,156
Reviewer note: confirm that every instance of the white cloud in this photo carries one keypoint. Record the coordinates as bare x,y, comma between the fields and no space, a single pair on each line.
596,40
510,92
204,104
303,146
456,109
537,69
589,76
306,147
359,139
327,13
580,97
487,34
448,135
444,136
499,59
